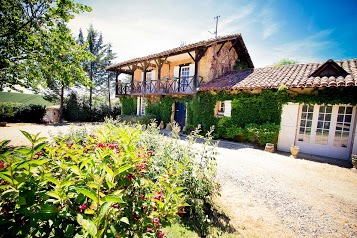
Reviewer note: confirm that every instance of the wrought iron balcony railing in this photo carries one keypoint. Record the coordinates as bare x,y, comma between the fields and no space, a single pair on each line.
174,85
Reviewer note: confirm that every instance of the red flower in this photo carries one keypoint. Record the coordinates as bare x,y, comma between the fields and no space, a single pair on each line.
150,153
111,146
83,206
141,196
130,176
143,166
156,220
159,196
149,229
2,164
160,234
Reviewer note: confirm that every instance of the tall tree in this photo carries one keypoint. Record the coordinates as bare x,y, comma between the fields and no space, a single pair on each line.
62,67
285,62
96,67
24,30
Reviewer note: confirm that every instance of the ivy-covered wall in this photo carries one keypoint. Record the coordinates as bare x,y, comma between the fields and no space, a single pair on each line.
161,109
128,105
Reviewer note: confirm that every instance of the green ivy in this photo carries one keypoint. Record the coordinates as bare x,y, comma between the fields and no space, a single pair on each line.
162,109
128,105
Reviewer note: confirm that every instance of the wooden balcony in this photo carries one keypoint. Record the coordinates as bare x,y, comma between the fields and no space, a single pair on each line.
165,86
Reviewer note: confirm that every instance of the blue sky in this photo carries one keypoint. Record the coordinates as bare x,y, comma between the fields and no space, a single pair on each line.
307,31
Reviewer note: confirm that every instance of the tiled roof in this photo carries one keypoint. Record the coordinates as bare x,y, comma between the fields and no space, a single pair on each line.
292,76
188,48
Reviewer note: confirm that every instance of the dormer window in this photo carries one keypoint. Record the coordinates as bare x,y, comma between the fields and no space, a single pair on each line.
329,68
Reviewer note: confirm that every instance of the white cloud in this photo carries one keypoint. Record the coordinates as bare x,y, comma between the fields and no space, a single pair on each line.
269,24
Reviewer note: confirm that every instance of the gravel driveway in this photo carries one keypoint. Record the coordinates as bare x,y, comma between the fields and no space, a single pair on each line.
267,194
272,195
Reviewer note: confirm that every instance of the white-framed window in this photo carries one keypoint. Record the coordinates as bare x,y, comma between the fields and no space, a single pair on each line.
185,73
223,108
148,76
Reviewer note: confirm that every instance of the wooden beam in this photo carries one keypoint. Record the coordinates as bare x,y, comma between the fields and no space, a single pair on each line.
234,44
191,56
221,48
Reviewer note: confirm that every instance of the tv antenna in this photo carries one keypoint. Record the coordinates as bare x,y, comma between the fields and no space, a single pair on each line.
215,32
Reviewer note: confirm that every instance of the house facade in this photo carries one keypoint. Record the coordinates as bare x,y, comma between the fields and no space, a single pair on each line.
326,129
179,72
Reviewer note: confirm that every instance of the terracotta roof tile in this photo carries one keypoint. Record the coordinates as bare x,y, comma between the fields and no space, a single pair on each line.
293,76
187,48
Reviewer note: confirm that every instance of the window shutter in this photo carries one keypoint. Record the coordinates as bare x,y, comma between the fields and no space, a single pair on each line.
176,71
227,108
138,106
192,69
153,74
142,76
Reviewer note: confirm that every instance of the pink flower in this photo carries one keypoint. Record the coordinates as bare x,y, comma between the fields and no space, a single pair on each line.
83,207
141,196
111,146
156,220
150,153
160,234
159,196
101,145
2,164
149,229
143,167
130,176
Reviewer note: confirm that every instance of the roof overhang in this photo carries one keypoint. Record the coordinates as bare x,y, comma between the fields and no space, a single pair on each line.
178,53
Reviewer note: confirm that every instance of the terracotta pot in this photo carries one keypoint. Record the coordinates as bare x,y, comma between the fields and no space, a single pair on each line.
269,147
294,151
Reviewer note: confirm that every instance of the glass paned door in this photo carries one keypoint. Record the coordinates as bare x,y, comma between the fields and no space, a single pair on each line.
185,73
343,126
306,123
323,125
326,130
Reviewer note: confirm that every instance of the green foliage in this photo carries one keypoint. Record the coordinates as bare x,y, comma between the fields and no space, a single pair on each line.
162,109
285,62
240,65
265,133
27,40
200,111
118,181
128,105
143,120
77,110
257,108
197,167
18,112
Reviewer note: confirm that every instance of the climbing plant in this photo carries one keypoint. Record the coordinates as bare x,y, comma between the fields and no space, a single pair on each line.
128,105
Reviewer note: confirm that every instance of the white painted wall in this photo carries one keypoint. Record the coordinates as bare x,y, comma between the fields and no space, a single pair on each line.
289,119
354,139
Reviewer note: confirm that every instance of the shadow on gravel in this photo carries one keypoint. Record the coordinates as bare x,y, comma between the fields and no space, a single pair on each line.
320,159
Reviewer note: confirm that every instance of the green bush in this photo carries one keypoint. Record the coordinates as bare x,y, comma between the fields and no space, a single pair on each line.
119,181
162,109
18,112
128,105
266,133
143,120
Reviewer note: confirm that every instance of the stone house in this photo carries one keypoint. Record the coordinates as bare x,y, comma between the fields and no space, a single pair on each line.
180,71
321,129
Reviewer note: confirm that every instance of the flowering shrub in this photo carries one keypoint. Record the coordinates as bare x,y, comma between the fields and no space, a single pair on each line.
196,165
104,185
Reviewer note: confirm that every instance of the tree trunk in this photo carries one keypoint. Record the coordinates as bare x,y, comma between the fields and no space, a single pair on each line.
110,104
62,103
90,93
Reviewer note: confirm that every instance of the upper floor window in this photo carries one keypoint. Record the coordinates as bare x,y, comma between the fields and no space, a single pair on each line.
185,73
148,76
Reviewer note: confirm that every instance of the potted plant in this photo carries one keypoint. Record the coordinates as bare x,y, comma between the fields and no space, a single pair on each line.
354,160
294,150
